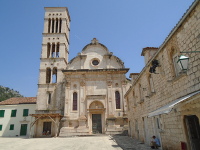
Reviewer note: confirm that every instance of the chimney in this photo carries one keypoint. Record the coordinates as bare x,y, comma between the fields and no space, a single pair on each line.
133,76
148,53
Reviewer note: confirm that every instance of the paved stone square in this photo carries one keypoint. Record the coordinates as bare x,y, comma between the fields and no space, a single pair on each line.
102,142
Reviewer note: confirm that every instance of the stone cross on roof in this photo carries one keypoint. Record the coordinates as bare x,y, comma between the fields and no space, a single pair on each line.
94,41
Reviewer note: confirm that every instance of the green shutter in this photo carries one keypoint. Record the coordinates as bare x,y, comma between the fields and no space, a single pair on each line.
1,127
13,113
12,127
2,113
25,112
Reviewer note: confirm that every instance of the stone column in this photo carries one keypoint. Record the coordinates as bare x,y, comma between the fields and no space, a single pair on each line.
58,25
51,45
55,25
124,82
65,119
110,103
82,99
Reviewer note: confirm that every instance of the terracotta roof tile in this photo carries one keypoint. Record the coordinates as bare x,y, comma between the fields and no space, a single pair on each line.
19,100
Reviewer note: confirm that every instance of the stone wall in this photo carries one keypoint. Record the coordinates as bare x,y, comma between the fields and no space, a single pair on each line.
169,85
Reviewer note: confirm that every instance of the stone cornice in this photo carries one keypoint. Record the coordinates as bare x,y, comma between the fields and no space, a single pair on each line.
120,70
56,34
60,58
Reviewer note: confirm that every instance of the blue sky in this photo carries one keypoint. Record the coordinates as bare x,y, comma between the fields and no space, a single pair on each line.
124,26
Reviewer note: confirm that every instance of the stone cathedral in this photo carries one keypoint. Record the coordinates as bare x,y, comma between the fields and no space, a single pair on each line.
84,95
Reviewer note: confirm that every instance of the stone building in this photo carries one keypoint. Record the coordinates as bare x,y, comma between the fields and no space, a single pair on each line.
81,96
14,116
164,100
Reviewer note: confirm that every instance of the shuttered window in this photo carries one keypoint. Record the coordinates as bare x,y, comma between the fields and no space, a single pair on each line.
2,113
1,127
25,112
13,113
12,127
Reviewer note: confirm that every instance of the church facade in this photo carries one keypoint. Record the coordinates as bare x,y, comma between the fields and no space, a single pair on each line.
82,96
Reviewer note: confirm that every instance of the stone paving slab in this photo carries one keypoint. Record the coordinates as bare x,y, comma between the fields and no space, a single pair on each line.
100,142
127,143
69,143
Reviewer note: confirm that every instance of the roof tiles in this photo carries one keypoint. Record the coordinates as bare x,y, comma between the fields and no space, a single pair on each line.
19,100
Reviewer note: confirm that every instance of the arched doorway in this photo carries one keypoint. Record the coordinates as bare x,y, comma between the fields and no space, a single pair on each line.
193,129
96,117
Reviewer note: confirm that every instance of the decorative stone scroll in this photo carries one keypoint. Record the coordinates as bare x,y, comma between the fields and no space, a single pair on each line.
82,83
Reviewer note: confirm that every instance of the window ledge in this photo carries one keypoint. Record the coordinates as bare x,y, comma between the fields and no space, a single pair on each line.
118,109
151,94
74,111
181,74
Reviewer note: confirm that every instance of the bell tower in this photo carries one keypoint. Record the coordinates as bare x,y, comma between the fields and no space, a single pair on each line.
54,58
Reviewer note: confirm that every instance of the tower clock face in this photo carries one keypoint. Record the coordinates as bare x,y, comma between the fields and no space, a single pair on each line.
95,62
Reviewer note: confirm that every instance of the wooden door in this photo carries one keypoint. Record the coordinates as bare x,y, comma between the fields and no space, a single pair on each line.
23,130
96,123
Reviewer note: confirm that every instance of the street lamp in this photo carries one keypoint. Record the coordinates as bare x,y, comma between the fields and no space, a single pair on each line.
184,60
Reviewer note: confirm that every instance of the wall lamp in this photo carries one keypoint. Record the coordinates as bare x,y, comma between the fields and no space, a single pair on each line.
184,60
154,65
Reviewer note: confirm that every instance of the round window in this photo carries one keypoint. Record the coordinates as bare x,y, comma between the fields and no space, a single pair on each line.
95,62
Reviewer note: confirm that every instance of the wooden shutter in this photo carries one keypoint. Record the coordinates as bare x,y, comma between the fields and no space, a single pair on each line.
13,113
2,113
25,112
12,127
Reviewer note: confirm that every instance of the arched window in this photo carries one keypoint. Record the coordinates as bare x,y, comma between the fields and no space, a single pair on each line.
56,25
151,84
60,26
49,25
117,99
52,26
173,62
74,101
58,50
48,49
53,50
54,75
48,75
141,92
134,99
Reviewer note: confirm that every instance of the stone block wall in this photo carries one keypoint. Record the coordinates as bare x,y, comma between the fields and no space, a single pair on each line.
169,128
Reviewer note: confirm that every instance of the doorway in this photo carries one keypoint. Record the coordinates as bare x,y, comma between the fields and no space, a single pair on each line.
96,124
193,129
47,128
23,130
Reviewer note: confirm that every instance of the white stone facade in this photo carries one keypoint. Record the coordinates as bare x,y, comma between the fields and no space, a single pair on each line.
18,121
82,96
